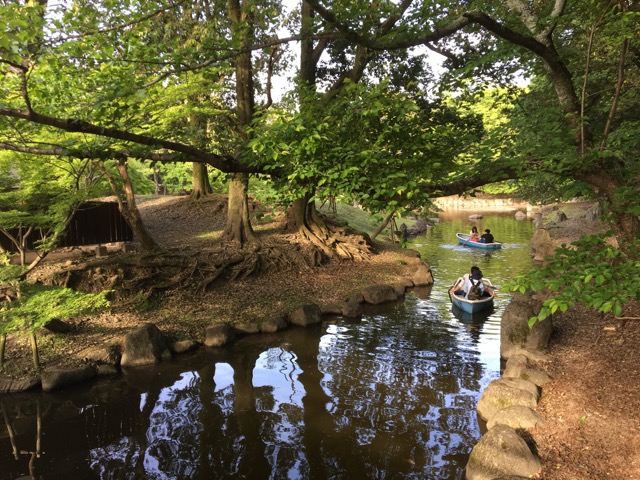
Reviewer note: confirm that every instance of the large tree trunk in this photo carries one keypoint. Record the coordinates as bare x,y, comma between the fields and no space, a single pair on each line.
201,184
238,227
306,221
127,205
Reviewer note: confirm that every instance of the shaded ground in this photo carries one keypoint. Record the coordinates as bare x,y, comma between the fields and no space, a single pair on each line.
591,408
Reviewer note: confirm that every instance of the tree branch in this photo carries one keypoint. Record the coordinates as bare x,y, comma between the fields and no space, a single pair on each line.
225,164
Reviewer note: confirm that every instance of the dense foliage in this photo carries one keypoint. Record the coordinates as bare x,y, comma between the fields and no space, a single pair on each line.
589,271
365,118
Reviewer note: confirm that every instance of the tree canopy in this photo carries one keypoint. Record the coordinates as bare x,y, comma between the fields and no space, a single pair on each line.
365,117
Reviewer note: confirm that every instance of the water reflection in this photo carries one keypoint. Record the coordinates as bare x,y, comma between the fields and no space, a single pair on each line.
390,396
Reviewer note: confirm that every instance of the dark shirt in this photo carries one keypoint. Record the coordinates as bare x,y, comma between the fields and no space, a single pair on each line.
487,238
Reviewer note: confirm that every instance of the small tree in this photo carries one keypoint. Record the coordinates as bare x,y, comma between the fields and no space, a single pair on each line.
26,308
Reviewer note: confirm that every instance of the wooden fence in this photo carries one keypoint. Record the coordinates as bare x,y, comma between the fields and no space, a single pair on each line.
93,223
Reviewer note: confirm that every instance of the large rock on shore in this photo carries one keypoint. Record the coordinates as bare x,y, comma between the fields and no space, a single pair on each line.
144,346
501,453
515,333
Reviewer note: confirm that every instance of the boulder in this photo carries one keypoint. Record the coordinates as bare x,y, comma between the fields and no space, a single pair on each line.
506,392
352,309
376,294
56,378
273,325
422,276
516,416
519,366
218,335
144,346
520,215
16,385
514,327
542,246
331,309
532,375
400,289
183,346
501,453
101,355
306,315
104,370
247,328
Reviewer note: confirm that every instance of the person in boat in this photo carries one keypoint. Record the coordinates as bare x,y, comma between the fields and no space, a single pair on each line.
474,234
486,237
471,285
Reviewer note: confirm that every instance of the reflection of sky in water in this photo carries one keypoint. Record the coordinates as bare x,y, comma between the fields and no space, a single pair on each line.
223,377
277,369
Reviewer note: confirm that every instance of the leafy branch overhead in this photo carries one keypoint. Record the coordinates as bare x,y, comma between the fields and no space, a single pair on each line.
591,272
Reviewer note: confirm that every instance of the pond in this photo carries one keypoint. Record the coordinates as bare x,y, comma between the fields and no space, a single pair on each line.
389,396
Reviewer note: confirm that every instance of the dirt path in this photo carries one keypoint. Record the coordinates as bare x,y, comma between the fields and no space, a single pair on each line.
592,407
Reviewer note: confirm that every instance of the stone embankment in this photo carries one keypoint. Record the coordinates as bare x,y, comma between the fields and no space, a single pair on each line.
148,345
508,404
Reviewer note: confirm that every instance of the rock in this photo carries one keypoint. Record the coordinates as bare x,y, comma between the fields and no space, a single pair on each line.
514,326
352,309
542,246
514,364
56,378
274,325
520,215
106,370
518,366
377,294
516,416
530,374
422,276
356,298
501,453
559,217
16,385
101,354
331,309
476,217
144,346
247,328
406,282
400,289
306,315
506,392
183,346
218,335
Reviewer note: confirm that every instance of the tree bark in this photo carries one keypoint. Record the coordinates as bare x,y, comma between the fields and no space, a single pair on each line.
127,205
305,220
238,227
201,184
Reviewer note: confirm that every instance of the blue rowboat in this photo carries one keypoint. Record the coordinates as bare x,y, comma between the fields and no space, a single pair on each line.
472,306
465,240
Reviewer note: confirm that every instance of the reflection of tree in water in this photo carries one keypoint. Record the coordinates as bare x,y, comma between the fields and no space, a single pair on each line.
403,391
26,411
393,395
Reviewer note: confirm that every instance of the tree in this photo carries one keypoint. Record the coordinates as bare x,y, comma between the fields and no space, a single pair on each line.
558,43
26,308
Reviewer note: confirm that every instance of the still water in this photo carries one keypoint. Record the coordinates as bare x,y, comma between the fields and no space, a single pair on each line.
391,396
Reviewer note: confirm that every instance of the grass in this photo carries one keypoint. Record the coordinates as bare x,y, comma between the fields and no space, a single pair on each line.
359,219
